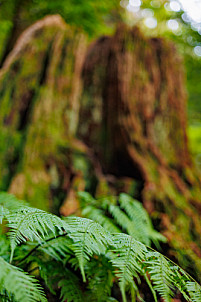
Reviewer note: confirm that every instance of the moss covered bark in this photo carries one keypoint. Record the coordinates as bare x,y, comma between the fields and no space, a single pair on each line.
40,86
135,100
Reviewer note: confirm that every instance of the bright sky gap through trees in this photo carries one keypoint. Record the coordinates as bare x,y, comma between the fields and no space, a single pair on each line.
192,8
192,15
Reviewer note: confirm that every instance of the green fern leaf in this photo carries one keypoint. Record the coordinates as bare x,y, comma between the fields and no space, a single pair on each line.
83,238
3,213
89,238
130,216
127,256
32,224
123,220
144,231
86,198
98,215
10,202
161,275
194,290
100,281
57,248
70,288
17,283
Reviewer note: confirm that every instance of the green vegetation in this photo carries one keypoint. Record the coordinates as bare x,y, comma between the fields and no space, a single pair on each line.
123,214
194,131
79,259
104,117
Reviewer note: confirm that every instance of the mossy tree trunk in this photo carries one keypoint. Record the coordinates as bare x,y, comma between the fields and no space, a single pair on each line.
111,121
137,87
40,87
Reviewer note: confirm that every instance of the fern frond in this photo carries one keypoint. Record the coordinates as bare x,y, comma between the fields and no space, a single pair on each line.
20,285
141,221
180,280
194,291
31,224
130,217
98,215
51,272
167,277
95,210
3,213
127,225
86,198
89,238
127,256
70,288
76,240
161,275
4,246
57,248
10,202
100,281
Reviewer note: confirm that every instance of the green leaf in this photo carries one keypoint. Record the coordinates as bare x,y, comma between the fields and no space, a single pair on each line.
194,290
89,238
70,288
128,254
15,282
31,224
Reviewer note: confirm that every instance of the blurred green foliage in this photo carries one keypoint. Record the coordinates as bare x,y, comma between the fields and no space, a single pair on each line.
94,17
194,131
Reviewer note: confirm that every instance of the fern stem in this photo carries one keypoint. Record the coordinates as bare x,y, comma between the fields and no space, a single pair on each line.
38,245
122,287
82,250
151,287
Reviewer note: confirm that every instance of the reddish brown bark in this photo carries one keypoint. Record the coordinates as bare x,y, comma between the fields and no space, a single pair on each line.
137,86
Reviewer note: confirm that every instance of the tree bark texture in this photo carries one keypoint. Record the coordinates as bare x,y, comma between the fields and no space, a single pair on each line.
40,87
109,118
137,86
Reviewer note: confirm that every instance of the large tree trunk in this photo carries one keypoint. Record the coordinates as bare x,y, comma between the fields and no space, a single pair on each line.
39,88
137,87
124,131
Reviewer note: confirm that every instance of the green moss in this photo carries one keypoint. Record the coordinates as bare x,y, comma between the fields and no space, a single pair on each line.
39,103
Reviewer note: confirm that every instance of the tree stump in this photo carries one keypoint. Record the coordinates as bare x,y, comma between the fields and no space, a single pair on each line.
137,85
